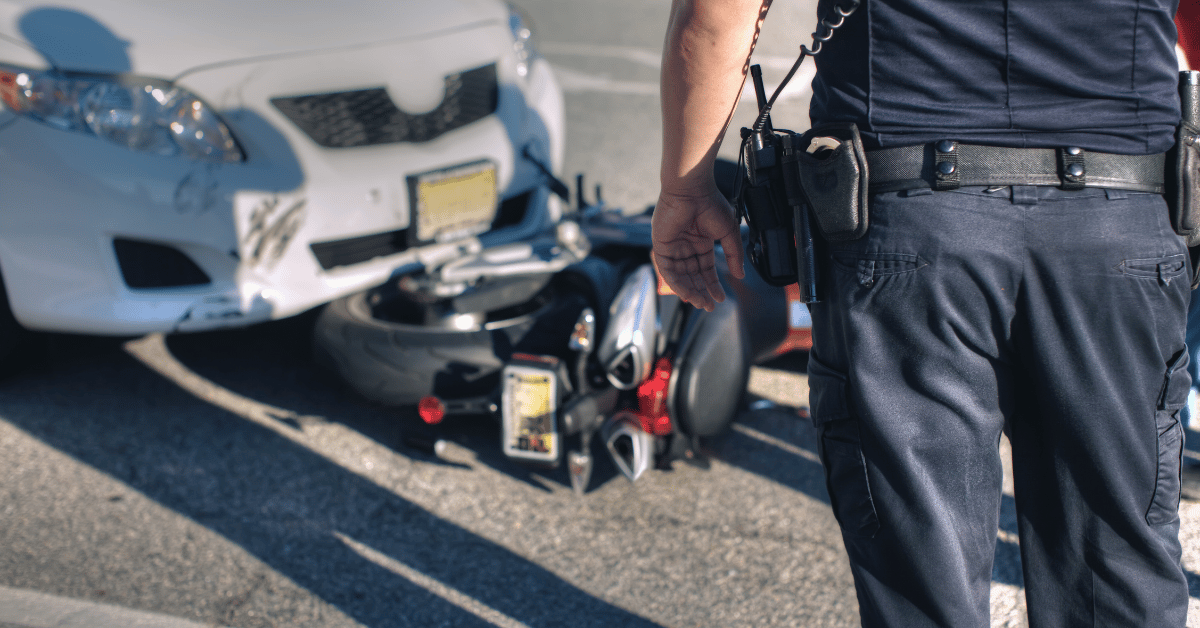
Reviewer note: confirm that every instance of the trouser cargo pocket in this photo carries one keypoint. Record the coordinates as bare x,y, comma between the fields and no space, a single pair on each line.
840,448
1164,507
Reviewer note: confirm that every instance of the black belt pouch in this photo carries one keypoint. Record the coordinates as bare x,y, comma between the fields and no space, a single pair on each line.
1183,171
834,180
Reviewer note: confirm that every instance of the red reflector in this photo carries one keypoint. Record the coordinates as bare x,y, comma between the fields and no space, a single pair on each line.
432,410
652,400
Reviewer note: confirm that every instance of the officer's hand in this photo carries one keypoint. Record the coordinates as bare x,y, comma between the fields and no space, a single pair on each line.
683,231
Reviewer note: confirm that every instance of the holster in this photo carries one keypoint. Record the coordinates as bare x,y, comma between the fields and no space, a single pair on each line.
1183,171
834,180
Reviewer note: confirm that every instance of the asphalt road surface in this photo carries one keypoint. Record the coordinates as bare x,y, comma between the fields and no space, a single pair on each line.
219,479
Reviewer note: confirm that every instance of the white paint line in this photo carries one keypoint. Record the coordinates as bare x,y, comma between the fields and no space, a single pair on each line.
649,57
641,56
799,88
451,595
1008,606
33,609
152,351
574,82
776,442
1008,537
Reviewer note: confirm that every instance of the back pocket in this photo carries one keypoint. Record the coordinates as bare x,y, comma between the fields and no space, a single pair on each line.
1163,269
867,268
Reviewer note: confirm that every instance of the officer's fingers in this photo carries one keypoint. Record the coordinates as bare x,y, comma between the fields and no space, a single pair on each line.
732,245
700,271
676,274
696,292
712,283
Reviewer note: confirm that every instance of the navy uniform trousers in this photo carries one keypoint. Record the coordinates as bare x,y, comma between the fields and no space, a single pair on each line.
1054,316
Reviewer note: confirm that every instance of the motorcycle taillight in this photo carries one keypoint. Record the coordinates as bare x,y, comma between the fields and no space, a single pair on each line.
652,400
432,410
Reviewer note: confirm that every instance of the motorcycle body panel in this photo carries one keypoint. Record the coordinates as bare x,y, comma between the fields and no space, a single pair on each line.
716,350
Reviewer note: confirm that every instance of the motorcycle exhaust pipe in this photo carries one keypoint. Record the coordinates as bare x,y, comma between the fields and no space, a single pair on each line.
631,449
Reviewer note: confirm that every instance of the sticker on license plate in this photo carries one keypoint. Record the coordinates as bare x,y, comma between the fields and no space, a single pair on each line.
529,413
454,202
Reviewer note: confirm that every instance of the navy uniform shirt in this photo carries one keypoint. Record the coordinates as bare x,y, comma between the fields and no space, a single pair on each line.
1098,74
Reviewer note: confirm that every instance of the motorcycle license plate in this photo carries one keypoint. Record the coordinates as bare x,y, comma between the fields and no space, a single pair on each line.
453,203
529,402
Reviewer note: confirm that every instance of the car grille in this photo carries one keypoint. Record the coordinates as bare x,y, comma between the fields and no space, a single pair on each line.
368,117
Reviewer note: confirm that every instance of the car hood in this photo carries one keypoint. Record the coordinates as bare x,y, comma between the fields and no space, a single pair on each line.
168,39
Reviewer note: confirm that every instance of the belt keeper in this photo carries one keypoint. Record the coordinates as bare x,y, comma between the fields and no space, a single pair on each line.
945,165
1072,168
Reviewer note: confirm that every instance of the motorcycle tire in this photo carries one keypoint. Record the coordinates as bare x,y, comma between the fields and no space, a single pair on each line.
398,363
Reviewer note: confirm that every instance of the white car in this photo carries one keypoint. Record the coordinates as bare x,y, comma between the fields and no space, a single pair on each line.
185,166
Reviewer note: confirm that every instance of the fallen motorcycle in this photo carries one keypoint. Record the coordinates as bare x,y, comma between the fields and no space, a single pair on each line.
567,336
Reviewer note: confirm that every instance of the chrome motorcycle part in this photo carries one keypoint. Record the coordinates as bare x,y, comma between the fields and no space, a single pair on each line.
631,449
579,465
583,338
628,348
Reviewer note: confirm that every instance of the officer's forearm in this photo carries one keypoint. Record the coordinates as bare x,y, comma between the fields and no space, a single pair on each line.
705,60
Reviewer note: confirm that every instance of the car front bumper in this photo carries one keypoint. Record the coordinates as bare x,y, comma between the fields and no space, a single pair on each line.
249,228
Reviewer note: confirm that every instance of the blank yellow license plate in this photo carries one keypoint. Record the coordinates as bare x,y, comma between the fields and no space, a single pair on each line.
529,413
455,202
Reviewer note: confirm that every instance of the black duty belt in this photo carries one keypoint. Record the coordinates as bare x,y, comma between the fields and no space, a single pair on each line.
947,165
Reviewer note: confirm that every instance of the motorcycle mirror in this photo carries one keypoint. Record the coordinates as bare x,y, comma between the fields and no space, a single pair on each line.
583,338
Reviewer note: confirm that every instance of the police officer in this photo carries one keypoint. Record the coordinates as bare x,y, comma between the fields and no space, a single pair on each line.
1019,274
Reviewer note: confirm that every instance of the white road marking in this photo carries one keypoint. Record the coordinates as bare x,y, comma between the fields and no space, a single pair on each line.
776,442
450,594
642,56
577,81
1008,537
32,609
152,351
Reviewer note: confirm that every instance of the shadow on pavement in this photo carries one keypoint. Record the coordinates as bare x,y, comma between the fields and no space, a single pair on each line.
272,363
380,559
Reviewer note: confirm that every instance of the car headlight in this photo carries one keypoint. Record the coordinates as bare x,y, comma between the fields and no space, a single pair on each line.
139,113
523,36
